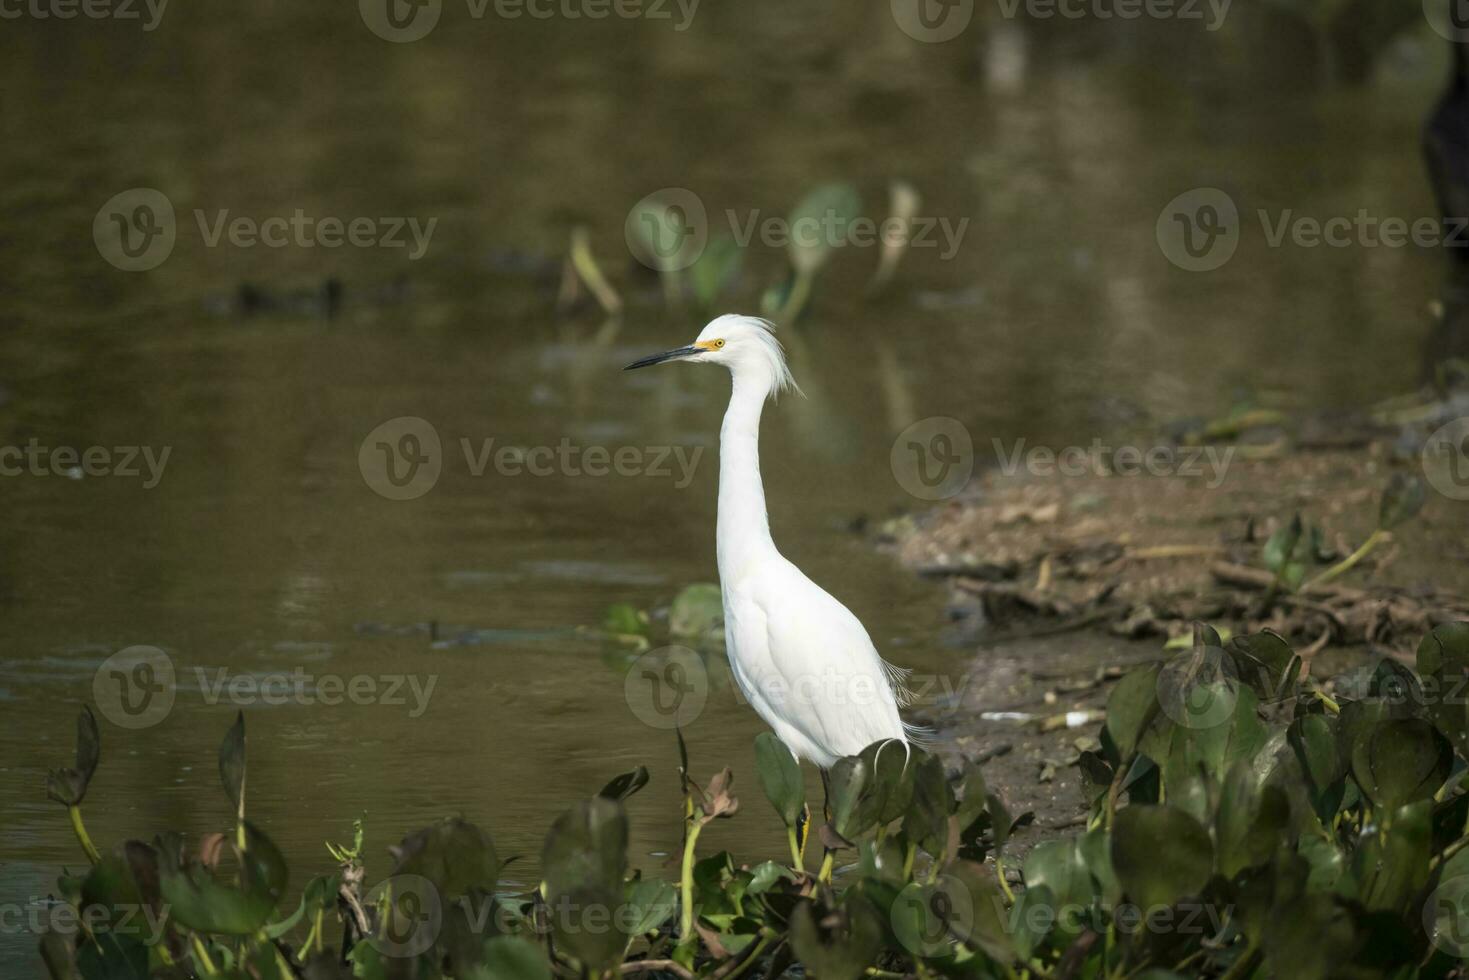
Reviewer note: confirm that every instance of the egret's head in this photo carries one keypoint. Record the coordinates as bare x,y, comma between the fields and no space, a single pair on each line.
744,344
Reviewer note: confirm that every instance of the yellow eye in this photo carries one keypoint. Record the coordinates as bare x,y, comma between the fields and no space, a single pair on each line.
718,344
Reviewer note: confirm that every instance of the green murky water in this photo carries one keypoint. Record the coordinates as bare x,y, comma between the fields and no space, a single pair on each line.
263,550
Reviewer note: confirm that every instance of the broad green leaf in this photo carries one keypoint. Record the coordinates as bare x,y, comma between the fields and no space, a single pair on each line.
889,788
1443,668
1390,864
836,950
511,958
1060,867
1251,823
927,820
847,780
650,903
1132,706
453,854
780,777
198,900
1267,664
1401,760
1316,744
1161,855
586,847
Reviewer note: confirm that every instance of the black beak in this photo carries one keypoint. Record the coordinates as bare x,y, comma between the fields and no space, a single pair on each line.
668,355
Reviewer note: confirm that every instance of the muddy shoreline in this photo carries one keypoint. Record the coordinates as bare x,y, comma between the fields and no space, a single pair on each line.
1059,582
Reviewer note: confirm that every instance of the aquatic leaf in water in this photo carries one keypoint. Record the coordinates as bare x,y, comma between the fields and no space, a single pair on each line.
69,786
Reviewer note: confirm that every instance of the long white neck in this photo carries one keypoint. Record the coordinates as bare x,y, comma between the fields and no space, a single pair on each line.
743,532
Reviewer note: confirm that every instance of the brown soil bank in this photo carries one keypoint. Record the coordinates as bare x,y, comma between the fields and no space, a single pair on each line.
1064,580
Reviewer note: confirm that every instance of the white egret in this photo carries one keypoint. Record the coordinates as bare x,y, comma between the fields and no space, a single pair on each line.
801,658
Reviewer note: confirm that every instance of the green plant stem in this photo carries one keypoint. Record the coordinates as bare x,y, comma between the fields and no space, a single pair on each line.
1114,791
202,955
686,884
1328,701
1346,564
1449,852
908,855
734,969
1000,874
796,863
826,865
75,812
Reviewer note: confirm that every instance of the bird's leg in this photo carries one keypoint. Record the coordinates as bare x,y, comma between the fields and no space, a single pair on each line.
824,875
826,789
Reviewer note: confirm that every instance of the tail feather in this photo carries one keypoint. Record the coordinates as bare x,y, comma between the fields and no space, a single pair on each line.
898,679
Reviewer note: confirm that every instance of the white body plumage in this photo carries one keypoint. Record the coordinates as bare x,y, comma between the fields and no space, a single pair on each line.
800,657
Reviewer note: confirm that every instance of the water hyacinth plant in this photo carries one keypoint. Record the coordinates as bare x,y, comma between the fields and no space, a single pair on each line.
1243,823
